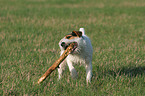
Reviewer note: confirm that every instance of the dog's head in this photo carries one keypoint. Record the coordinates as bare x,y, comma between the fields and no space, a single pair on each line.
74,36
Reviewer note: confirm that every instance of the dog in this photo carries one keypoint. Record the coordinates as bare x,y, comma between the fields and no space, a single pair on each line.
82,54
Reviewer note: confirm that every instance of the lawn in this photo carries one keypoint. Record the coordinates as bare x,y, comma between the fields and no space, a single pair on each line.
31,29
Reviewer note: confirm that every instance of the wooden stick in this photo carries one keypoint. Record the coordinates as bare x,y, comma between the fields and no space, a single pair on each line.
57,62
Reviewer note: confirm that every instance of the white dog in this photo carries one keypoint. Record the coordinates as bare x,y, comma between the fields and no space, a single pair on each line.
82,54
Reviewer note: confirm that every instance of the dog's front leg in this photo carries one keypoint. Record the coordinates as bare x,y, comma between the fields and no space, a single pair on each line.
61,68
89,72
72,69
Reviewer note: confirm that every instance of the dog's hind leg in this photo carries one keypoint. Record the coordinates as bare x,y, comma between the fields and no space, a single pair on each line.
72,69
88,72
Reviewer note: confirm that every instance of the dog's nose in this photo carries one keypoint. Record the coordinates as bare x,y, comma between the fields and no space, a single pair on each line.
63,44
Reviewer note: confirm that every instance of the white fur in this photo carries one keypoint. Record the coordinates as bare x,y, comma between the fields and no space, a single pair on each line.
81,55
82,30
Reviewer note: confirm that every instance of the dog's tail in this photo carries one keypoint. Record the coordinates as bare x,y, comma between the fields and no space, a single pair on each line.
82,30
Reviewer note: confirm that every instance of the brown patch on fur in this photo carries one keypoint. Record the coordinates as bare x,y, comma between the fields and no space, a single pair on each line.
78,33
74,34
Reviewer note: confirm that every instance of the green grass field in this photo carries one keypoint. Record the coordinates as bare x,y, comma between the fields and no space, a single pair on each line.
31,29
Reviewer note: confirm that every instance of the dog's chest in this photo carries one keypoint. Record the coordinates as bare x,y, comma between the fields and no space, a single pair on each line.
76,59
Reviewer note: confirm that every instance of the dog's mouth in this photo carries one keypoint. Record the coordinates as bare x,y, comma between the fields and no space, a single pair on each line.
64,45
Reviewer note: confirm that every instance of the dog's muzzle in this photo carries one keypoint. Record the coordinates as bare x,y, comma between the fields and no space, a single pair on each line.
65,45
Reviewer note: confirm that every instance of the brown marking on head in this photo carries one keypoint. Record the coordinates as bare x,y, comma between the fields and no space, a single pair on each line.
74,34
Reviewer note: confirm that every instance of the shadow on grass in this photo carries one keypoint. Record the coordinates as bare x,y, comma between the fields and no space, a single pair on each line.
130,72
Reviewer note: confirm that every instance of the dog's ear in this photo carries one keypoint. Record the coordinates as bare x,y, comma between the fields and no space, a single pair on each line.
76,33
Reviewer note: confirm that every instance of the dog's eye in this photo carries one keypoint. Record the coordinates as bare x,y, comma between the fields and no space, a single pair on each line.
68,37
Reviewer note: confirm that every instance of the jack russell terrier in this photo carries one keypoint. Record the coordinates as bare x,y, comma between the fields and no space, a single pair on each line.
82,53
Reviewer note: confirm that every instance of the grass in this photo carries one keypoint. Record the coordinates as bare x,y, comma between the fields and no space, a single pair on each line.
31,29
